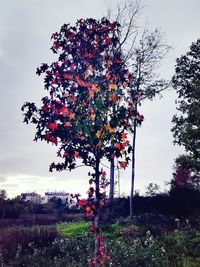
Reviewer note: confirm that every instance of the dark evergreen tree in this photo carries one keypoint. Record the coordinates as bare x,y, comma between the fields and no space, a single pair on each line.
186,123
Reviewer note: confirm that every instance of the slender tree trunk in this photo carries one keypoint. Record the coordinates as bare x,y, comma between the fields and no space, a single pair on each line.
133,170
112,180
111,193
119,190
97,216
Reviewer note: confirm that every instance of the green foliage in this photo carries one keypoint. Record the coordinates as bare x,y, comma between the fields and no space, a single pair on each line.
111,231
190,262
77,229
186,82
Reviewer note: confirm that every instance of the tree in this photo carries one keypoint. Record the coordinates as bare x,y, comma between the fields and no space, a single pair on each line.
186,123
85,113
190,166
143,52
3,194
3,197
152,189
184,188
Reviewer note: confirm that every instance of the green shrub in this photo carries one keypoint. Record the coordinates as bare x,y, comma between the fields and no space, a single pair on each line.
190,262
76,229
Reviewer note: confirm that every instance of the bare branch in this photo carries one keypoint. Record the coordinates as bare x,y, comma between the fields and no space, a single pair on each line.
126,15
143,50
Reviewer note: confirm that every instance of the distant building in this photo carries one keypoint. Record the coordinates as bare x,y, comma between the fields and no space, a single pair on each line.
65,197
31,197
43,200
35,198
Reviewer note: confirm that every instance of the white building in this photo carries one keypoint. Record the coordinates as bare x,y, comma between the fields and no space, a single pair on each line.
31,197
65,197
35,198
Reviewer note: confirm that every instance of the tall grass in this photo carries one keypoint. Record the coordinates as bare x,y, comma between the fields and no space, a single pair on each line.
13,238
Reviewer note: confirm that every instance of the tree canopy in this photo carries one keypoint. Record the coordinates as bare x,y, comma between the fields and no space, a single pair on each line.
87,106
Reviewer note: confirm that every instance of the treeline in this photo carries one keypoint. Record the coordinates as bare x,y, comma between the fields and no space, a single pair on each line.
16,207
179,201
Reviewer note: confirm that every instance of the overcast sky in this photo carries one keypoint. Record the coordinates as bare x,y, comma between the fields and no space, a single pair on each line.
25,30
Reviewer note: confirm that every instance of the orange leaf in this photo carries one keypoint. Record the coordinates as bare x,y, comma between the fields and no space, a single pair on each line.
71,116
90,94
92,116
109,128
98,133
112,86
95,88
113,97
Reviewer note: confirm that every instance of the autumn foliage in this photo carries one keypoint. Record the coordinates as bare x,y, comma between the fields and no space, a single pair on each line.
86,106
87,112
